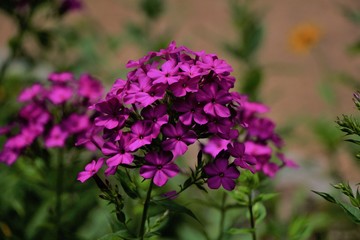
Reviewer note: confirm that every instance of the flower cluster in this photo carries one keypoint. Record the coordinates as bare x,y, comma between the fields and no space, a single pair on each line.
56,114
172,99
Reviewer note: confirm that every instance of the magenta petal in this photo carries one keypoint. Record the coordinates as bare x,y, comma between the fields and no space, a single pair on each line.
214,182
147,171
160,178
232,172
221,110
109,148
186,118
209,108
83,176
228,183
171,170
221,164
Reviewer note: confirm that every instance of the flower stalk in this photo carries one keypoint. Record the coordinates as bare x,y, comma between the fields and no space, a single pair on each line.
252,218
145,211
59,190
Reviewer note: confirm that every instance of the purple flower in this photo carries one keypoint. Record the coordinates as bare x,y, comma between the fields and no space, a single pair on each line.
246,161
214,100
31,93
56,137
159,167
167,74
211,62
113,114
61,78
119,152
178,138
90,170
141,134
191,110
216,145
59,94
158,115
76,123
221,174
184,85
262,128
90,87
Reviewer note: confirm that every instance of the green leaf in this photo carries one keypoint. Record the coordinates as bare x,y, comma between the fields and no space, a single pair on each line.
265,196
175,207
127,184
354,48
252,81
259,211
351,211
236,231
326,196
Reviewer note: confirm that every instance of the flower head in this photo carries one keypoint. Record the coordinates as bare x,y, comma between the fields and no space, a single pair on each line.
175,98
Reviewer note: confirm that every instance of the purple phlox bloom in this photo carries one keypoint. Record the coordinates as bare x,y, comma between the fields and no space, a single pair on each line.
158,115
191,71
214,100
170,50
159,167
268,168
141,61
61,78
251,108
76,123
90,170
90,88
191,110
56,137
35,113
215,145
220,125
141,134
144,93
262,128
22,140
119,152
255,149
9,156
211,62
185,85
117,89
286,161
237,150
167,74
220,173
110,171
31,93
113,114
59,94
178,138
91,138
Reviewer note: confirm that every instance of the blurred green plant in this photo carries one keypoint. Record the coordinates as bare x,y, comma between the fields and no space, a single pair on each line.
249,29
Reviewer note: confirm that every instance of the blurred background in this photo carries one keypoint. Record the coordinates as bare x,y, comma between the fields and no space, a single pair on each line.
301,58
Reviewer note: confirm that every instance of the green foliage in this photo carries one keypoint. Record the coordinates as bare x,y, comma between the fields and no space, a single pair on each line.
152,8
352,209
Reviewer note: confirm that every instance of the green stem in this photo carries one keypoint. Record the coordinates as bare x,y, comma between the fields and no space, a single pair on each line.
222,217
252,219
59,190
145,210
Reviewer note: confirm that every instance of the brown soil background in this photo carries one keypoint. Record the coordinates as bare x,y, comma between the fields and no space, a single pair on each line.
291,80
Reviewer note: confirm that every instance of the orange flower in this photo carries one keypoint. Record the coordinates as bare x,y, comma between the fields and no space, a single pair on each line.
303,37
